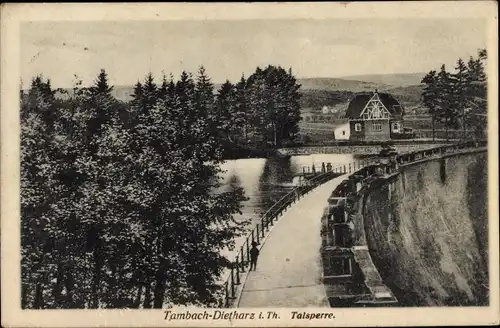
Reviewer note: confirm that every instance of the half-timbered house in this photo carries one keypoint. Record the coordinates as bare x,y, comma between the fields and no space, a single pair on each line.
375,116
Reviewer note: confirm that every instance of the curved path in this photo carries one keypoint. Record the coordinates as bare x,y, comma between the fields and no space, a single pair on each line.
289,267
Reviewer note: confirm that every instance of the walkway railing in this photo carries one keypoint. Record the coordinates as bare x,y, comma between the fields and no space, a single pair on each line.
360,169
426,153
259,232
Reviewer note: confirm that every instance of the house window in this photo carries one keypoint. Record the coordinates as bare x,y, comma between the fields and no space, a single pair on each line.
357,127
343,132
396,127
377,127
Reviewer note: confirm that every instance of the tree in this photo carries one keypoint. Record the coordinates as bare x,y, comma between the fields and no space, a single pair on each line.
226,110
459,95
430,96
101,85
204,98
274,103
477,93
38,172
293,115
460,84
446,102
256,104
163,89
242,113
186,210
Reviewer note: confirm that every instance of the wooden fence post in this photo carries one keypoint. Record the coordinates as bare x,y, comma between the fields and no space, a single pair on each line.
257,233
232,284
248,251
242,259
226,295
237,270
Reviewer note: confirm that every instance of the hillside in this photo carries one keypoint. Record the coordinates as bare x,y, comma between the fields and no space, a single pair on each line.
315,99
400,80
335,84
121,92
410,95
319,92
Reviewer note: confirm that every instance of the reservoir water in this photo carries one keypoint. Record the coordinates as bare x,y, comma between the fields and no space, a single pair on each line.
266,180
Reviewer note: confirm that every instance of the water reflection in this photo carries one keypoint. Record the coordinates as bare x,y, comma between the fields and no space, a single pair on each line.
265,181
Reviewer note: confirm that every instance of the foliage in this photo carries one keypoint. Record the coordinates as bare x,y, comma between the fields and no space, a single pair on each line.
273,104
119,202
458,98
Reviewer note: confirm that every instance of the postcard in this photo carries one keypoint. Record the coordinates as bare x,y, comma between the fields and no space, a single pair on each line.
249,164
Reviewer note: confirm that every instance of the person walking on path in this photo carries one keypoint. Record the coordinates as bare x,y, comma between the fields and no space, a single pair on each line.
254,254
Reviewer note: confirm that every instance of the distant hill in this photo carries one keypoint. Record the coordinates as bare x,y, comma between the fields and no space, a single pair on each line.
335,84
315,99
123,92
400,80
409,95
319,92
120,92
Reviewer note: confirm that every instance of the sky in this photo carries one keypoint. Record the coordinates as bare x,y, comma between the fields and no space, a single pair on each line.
128,50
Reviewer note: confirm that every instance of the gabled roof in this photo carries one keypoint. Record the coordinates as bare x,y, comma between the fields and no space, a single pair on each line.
358,103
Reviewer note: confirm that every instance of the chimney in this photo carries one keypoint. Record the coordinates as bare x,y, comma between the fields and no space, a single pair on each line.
376,91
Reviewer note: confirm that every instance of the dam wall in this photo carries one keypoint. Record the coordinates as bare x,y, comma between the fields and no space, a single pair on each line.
427,231
361,149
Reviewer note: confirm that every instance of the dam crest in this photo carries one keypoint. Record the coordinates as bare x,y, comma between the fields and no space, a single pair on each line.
403,234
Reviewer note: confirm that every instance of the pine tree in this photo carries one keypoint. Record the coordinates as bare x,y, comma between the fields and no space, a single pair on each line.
101,85
101,104
292,116
204,102
446,100
257,104
459,95
430,97
225,110
162,90
242,110
149,94
461,81
477,94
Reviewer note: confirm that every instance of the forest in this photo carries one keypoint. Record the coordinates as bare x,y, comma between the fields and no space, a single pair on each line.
120,205
459,99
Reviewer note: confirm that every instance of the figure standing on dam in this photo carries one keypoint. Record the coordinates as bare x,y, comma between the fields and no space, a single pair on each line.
329,167
254,254
388,158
